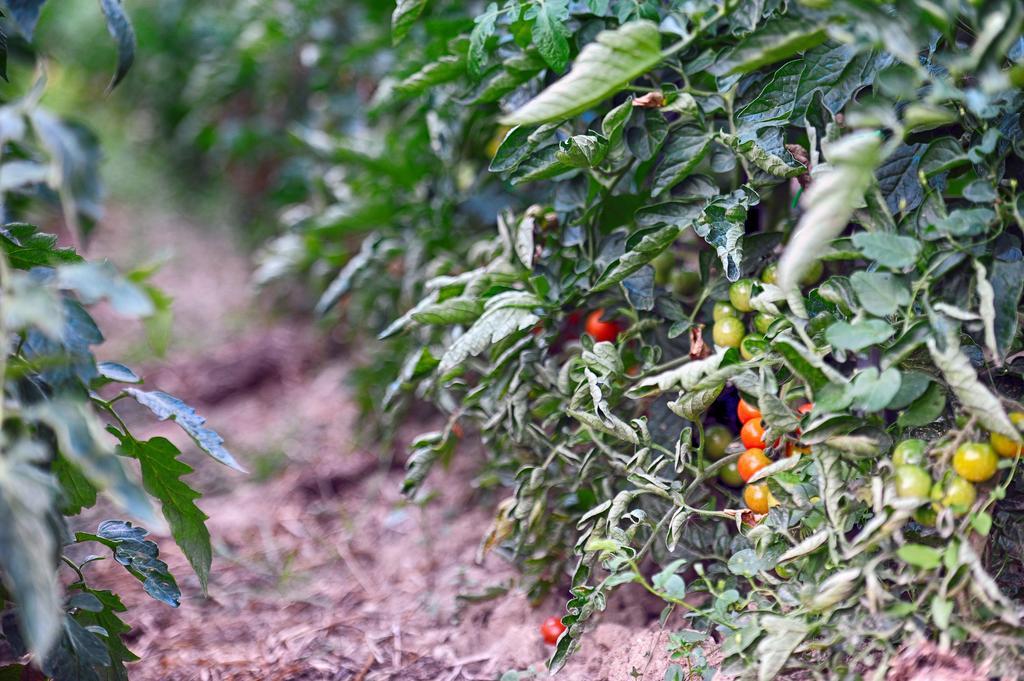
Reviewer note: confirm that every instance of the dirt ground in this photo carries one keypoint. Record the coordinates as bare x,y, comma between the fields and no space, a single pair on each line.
321,569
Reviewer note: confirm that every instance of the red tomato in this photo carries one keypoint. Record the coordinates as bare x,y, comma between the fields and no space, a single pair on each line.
746,412
600,330
750,462
752,433
804,408
551,629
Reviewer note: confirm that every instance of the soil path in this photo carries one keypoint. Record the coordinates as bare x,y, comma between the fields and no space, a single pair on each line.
321,569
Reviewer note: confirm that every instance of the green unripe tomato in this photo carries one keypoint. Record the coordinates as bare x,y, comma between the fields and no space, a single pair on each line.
684,283
813,275
912,482
751,346
728,332
663,264
954,492
763,321
975,461
739,294
716,441
723,309
926,515
909,453
730,476
768,274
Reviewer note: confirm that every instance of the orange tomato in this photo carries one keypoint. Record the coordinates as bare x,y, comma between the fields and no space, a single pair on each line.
804,408
798,449
752,433
601,330
750,462
745,411
758,498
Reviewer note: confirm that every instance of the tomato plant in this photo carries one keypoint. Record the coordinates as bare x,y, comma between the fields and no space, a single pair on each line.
842,179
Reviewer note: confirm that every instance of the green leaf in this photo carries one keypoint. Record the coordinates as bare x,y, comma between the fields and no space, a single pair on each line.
109,620
485,23
166,406
889,250
25,14
1007,279
811,368
783,637
765,151
161,477
639,254
94,282
444,70
685,150
747,563
603,67
941,155
921,556
982,523
28,546
82,442
139,556
859,335
550,34
26,247
880,293
120,29
404,17
974,396
829,203
872,391
459,310
504,314
925,409
583,151
722,225
776,40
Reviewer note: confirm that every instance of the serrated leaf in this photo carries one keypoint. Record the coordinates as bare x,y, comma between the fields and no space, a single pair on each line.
161,477
81,440
603,68
166,406
139,556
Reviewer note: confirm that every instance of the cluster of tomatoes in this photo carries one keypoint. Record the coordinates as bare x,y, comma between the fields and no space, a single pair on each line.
729,331
717,439
973,462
